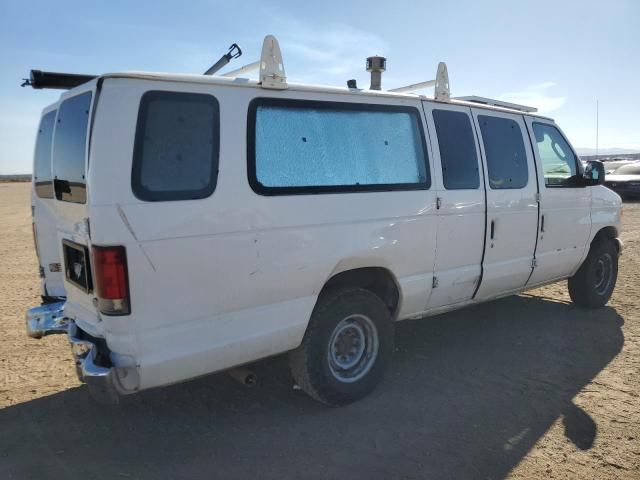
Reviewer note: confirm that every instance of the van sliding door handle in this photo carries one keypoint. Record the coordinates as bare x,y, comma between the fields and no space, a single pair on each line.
542,224
493,228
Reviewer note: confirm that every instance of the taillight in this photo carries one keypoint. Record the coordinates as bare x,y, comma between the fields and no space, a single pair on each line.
112,280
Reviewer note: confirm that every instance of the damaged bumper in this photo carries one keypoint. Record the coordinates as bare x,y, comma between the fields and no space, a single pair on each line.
49,320
46,320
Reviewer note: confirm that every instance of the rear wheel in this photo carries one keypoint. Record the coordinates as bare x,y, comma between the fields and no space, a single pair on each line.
593,283
346,348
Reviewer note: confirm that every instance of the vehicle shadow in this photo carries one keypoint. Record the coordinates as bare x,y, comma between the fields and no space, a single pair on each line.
467,396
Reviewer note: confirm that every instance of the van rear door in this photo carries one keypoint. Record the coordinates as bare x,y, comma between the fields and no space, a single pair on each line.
43,210
69,167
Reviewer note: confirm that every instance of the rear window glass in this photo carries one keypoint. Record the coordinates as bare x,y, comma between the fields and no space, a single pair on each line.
176,150
323,147
42,178
69,148
504,149
457,150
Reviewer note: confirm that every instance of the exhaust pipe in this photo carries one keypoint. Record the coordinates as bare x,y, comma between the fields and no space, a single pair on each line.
376,65
243,375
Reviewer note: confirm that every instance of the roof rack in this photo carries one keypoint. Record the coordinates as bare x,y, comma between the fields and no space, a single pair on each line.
62,81
497,103
271,66
441,84
273,76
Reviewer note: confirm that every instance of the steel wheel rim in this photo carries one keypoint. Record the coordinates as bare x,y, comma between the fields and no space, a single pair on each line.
353,348
603,274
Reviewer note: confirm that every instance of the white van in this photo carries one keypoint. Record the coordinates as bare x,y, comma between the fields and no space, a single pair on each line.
205,222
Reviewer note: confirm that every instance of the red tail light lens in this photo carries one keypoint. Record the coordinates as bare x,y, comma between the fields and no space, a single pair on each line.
112,280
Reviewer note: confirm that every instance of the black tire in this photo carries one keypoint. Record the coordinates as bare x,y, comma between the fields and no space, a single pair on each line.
336,320
593,283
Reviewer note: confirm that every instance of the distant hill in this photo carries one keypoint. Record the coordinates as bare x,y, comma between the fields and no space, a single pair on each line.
606,158
16,178
609,152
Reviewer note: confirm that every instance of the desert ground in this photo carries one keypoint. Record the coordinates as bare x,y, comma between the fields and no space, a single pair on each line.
525,387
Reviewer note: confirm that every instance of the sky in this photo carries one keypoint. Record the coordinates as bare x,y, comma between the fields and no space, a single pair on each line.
558,56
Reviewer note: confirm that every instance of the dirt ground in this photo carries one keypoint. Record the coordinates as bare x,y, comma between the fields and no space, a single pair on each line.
525,387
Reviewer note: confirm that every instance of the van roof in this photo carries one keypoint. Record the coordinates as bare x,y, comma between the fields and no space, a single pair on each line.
246,82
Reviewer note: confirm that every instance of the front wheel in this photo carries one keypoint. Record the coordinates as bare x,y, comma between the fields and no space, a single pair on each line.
346,348
593,283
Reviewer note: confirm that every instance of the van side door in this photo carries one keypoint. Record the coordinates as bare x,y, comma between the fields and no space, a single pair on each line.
460,203
512,208
565,204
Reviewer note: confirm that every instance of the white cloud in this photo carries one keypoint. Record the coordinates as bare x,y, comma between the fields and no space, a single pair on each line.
536,96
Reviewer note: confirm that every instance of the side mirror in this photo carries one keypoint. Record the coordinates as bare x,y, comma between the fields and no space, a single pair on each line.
593,173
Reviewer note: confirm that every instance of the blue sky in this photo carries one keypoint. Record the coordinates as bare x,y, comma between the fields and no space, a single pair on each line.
556,55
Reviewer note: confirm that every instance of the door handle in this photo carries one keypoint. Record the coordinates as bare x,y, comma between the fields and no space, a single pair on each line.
542,224
493,228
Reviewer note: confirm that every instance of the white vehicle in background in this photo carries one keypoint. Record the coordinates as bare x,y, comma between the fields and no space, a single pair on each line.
612,165
625,180
205,222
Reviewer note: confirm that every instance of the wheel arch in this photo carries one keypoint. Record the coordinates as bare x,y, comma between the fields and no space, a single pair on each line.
607,233
377,279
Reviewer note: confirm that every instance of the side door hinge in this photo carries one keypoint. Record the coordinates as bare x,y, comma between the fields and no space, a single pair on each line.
538,197
534,263
434,282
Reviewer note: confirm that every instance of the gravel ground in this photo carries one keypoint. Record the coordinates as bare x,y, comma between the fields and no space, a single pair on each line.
525,387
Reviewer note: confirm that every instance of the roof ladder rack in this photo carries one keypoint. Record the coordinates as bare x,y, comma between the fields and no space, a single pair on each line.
441,83
271,66
497,103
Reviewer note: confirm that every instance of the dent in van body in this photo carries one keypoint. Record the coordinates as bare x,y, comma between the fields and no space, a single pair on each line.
229,299
234,277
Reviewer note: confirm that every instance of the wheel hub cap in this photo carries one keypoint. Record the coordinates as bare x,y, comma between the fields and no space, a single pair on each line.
603,273
353,348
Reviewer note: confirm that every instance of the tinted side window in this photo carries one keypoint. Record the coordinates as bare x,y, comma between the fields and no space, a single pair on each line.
42,178
559,164
176,150
69,148
504,149
457,150
323,147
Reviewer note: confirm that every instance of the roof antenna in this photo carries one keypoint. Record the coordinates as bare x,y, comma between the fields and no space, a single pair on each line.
234,52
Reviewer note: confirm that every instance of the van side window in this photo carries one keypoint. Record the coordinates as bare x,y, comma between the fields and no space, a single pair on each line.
176,148
457,150
297,147
559,163
505,152
42,178
69,148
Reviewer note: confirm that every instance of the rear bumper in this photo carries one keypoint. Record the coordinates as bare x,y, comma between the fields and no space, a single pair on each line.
50,320
46,319
101,379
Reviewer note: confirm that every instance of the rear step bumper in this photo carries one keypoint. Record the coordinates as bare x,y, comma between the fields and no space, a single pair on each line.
50,320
